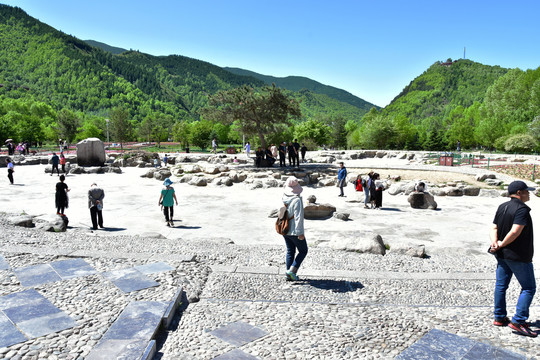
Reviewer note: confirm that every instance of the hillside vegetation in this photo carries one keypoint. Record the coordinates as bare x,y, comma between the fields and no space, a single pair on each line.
44,72
478,105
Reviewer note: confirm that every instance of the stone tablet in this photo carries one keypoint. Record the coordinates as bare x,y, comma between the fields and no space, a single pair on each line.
91,152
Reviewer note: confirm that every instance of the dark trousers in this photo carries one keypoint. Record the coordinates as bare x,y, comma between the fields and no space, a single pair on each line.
292,159
64,168
10,175
297,159
378,198
55,167
96,216
281,159
168,212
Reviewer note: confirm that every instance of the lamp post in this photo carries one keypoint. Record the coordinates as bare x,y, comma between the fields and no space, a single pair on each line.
107,121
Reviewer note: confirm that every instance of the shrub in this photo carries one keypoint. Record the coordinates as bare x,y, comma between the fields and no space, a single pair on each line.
522,143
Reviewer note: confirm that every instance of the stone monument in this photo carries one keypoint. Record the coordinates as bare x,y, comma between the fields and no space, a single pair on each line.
90,152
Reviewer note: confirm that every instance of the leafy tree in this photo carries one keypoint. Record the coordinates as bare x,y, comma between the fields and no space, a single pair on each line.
201,133
120,125
316,131
146,128
182,132
259,111
221,132
338,132
67,122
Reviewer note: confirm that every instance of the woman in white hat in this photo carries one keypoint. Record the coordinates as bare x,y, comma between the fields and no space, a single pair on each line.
295,239
166,200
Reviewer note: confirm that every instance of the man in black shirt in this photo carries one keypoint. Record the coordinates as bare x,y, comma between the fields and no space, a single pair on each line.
512,244
292,154
297,151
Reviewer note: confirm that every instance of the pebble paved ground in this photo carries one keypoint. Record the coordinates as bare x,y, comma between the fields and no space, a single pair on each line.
346,306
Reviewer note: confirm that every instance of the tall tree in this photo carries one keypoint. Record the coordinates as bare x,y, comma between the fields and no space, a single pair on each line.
67,122
260,112
120,125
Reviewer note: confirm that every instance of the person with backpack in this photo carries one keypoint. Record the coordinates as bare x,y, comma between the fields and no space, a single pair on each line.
294,239
166,201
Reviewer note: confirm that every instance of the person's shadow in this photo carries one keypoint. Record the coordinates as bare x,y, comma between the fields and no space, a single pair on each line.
337,286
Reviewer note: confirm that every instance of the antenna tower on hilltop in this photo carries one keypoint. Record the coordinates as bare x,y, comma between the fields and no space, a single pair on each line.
464,52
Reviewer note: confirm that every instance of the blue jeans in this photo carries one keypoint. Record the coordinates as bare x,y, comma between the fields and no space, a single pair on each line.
524,273
293,243
366,194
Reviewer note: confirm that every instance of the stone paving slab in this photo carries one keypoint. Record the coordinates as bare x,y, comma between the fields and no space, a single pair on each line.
238,333
129,280
438,344
154,268
35,275
33,315
72,268
131,334
9,334
3,263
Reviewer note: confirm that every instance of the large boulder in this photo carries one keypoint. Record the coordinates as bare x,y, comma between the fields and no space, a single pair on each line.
454,191
471,190
318,211
162,174
90,152
422,200
198,181
56,223
361,242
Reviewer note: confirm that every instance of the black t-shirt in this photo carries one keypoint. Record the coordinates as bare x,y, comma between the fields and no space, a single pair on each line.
509,213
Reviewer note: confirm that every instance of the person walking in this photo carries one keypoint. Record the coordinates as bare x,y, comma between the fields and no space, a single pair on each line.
95,204
342,178
214,146
54,161
367,188
10,170
165,160
295,239
63,162
166,200
512,244
61,196
303,151
247,147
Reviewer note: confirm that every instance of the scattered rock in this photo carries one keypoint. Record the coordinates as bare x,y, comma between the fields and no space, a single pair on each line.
362,242
342,216
311,199
198,181
409,250
422,200
471,190
23,220
454,191
318,211
273,213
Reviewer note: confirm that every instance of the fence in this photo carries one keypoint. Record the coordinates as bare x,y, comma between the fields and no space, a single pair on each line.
497,163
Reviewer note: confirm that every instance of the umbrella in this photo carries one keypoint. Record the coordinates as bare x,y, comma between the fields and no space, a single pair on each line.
8,140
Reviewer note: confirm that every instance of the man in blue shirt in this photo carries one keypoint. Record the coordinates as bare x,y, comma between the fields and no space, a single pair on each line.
55,160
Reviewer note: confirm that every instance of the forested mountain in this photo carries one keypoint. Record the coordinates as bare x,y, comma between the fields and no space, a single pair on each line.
297,83
112,49
478,105
442,87
45,68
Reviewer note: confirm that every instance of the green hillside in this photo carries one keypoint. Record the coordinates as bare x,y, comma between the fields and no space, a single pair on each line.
297,83
442,87
112,49
43,68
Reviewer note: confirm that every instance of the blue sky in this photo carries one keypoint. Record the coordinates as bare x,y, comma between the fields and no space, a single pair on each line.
372,49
